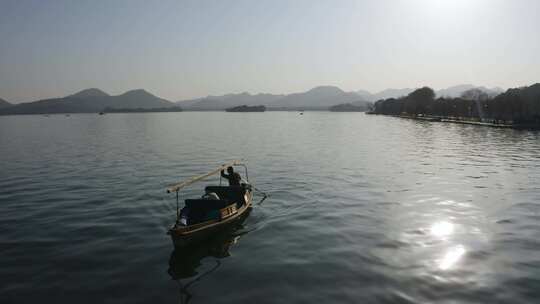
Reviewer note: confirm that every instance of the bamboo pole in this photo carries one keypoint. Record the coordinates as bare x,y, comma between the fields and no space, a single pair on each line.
180,185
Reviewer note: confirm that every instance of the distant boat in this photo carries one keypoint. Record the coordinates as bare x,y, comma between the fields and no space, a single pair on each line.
67,115
200,219
101,113
245,108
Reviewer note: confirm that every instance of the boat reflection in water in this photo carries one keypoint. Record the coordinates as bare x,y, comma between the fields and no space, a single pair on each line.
184,263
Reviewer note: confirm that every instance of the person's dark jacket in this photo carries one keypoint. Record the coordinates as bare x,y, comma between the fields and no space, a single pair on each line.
233,178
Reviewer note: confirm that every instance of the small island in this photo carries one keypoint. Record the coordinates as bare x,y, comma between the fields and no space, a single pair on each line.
347,107
246,108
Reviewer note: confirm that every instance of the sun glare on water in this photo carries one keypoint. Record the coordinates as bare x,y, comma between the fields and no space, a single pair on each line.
442,229
451,257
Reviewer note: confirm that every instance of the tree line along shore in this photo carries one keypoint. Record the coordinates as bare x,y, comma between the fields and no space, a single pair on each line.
516,108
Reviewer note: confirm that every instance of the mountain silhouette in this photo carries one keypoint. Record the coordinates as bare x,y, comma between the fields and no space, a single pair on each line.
392,93
90,101
138,99
318,97
4,104
384,94
229,100
322,96
93,92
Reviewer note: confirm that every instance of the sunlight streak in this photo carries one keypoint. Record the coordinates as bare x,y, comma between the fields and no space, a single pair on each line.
452,257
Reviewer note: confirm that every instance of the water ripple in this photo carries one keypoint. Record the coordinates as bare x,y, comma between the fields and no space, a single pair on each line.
361,209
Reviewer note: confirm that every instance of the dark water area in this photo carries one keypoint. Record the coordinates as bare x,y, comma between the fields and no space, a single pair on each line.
361,209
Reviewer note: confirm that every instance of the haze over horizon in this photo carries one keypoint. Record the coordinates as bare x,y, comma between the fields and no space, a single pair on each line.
187,49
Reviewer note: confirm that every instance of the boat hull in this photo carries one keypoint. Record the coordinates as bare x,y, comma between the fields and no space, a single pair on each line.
180,241
184,236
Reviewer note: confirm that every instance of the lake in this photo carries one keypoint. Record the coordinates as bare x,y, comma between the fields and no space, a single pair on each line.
361,209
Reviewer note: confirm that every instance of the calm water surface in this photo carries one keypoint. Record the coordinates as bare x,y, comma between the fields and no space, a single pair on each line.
362,209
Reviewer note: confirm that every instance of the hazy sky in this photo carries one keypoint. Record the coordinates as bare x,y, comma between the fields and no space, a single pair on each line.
184,49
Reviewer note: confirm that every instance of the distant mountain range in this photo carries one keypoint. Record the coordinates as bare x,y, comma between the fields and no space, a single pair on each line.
89,101
321,97
317,98
388,93
226,101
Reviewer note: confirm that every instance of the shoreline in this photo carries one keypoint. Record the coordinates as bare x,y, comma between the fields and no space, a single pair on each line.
465,121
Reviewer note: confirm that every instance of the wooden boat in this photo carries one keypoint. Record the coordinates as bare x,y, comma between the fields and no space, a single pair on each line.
200,219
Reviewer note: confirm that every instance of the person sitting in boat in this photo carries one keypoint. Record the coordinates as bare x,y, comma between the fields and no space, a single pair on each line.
234,178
